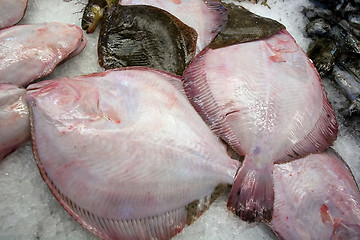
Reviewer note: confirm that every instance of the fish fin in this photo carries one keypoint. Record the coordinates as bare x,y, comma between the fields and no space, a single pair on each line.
341,229
221,13
345,231
322,135
252,194
199,94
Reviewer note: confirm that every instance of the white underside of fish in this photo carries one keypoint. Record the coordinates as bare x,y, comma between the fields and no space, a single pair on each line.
316,198
14,119
265,99
28,52
208,18
125,153
11,12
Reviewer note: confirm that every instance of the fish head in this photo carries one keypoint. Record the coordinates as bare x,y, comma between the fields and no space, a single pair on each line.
65,100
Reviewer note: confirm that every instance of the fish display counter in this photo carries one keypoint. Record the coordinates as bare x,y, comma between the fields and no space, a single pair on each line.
29,210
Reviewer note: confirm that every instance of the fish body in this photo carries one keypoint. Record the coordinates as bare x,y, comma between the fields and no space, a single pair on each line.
11,12
316,198
145,36
125,153
208,18
266,100
350,86
28,52
14,118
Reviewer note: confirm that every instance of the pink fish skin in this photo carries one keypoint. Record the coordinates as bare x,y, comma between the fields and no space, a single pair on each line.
28,52
316,198
11,12
14,119
208,18
125,153
266,100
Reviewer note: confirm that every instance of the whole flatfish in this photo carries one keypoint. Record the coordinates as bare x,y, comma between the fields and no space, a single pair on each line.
125,153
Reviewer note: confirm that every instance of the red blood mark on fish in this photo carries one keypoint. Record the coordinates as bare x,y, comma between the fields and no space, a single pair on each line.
277,58
176,1
325,214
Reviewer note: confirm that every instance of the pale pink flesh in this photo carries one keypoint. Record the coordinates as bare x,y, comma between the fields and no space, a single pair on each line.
124,152
208,18
14,119
265,99
316,198
11,12
28,52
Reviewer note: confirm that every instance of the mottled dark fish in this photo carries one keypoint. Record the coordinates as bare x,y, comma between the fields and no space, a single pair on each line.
145,36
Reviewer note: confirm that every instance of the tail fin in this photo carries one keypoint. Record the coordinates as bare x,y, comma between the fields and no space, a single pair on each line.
252,194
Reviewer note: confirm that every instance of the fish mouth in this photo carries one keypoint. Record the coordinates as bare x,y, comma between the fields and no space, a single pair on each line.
92,18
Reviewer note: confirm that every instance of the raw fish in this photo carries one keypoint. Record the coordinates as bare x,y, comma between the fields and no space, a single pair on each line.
94,12
14,118
350,85
28,52
11,12
266,100
125,153
145,36
316,198
208,18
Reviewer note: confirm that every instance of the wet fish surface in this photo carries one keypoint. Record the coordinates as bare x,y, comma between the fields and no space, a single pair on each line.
125,153
266,100
316,198
14,118
145,36
11,12
28,52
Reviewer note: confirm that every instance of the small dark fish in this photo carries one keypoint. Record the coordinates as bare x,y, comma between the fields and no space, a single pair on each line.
94,12
350,86
351,62
323,53
345,39
145,36
319,27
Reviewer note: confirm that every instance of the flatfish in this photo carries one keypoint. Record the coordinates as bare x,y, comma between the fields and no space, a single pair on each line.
125,153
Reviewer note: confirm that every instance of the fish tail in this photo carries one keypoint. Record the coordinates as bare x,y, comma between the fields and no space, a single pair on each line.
252,194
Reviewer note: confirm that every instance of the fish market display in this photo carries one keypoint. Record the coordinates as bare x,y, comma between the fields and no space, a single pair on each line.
28,52
11,12
335,28
208,18
266,100
316,198
14,119
125,153
145,36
